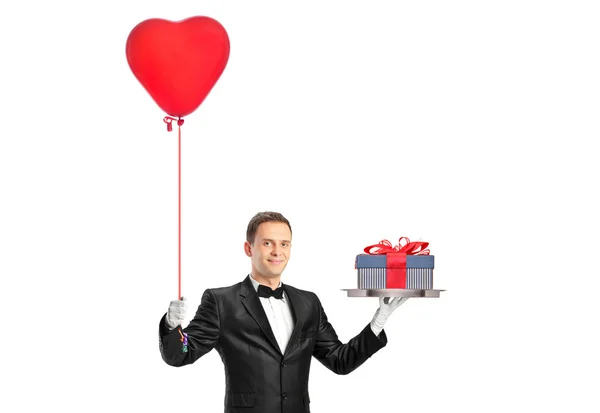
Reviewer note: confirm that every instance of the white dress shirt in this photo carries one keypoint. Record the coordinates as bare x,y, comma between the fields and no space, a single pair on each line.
279,315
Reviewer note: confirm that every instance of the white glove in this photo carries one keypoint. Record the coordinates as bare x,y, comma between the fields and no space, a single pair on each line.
177,312
384,311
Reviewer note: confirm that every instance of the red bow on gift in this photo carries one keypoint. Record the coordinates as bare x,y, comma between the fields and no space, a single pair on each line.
410,248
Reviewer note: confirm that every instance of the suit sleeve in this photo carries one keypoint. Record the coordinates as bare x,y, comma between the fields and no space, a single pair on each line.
344,358
202,334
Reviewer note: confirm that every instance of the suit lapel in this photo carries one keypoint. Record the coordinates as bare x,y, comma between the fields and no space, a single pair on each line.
299,311
253,305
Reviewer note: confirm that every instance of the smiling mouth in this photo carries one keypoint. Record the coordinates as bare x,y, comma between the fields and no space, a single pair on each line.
275,262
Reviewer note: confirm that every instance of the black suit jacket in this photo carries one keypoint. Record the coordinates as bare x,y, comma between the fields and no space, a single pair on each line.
259,378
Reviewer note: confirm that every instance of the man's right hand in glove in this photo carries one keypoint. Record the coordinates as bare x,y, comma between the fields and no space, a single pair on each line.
176,314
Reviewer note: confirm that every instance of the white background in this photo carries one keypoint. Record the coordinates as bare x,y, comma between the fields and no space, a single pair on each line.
466,124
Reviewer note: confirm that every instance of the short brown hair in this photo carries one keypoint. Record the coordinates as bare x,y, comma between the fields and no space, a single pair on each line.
261,217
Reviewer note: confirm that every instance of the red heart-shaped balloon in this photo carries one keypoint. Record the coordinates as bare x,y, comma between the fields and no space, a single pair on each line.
178,63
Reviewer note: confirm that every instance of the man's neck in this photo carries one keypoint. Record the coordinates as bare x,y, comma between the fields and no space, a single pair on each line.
270,282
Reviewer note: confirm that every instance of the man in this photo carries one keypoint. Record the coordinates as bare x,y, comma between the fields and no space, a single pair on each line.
266,332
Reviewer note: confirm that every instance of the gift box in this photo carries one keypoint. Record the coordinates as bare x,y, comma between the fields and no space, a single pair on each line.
407,266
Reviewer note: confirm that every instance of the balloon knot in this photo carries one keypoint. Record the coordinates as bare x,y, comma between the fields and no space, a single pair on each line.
169,121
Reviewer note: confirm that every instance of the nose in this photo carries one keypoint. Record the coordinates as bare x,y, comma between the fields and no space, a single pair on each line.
276,251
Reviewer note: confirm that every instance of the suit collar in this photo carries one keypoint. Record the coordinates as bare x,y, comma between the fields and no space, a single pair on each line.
255,283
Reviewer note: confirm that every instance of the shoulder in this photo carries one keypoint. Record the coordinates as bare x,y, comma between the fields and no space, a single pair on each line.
306,294
224,291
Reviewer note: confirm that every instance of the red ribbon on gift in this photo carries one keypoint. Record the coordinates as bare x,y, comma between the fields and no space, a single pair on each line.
396,258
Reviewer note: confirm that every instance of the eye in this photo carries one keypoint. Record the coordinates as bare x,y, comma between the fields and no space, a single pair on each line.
267,243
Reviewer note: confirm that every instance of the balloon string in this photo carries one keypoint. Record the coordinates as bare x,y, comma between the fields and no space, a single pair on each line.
168,120
179,138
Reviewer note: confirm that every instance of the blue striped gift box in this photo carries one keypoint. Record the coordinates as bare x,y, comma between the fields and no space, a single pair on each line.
371,271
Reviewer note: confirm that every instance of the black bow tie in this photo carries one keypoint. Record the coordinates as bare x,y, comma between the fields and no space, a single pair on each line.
264,291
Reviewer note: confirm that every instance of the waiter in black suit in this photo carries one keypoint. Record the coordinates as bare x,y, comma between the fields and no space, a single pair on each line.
267,332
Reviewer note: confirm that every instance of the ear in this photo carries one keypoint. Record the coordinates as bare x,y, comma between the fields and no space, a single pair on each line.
248,249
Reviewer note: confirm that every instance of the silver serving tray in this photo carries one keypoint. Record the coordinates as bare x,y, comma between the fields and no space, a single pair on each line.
392,292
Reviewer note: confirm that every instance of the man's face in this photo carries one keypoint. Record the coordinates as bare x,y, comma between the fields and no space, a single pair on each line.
271,249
